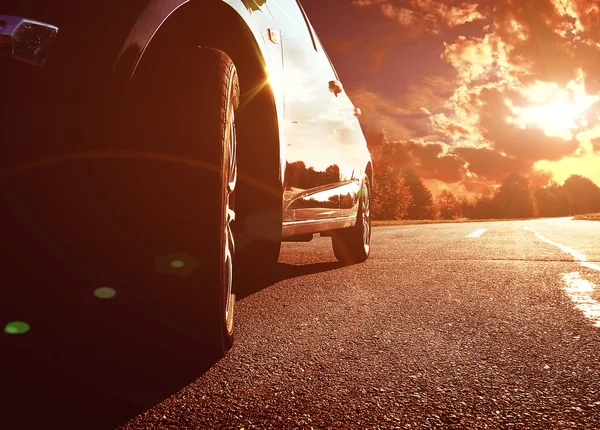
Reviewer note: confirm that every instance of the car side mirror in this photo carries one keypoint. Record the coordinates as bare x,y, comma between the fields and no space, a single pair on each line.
25,40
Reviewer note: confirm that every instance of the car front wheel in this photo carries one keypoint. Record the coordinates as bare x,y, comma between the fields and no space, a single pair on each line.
186,108
353,245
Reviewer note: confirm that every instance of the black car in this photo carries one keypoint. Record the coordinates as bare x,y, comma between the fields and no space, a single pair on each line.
151,147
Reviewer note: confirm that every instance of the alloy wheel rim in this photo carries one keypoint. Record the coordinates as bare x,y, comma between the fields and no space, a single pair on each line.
366,218
231,180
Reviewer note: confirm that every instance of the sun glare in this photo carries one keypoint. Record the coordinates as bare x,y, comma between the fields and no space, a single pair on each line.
556,111
555,119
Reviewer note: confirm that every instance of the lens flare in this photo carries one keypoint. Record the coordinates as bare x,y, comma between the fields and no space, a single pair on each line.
105,293
16,327
177,264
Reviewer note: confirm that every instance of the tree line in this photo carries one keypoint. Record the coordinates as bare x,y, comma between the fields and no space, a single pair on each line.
399,193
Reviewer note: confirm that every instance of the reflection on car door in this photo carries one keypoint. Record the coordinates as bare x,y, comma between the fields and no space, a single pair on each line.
352,153
313,175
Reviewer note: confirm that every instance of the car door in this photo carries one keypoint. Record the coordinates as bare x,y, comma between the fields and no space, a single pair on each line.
312,173
350,143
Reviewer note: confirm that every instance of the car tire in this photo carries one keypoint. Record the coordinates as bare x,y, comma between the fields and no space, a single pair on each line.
186,105
149,220
352,245
218,307
227,86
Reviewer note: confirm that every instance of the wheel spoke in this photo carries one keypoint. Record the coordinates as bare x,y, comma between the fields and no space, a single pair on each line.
232,177
366,217
231,180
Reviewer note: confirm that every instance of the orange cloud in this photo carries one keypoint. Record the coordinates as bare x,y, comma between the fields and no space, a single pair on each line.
342,46
414,18
426,15
524,96
382,113
407,116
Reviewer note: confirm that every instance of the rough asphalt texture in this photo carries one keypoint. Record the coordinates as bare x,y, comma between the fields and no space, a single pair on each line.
435,330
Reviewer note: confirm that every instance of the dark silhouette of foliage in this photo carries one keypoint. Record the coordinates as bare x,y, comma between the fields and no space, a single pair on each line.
422,202
376,139
552,200
447,206
484,206
299,176
515,198
390,197
467,206
582,194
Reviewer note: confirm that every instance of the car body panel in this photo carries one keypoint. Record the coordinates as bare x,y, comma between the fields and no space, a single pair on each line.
323,153
320,130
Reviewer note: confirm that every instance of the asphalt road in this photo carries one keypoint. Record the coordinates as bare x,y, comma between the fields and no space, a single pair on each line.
474,325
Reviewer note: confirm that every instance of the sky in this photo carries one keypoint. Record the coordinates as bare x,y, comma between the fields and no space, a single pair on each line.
473,90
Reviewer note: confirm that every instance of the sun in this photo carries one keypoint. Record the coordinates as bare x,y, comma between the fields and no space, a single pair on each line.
558,112
558,118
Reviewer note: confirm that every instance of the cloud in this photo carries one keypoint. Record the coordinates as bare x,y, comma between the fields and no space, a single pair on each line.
428,16
412,19
429,92
408,115
529,143
431,159
339,45
491,165
383,113
523,96
482,60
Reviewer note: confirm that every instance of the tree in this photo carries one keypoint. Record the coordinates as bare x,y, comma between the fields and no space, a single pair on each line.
376,139
552,200
390,196
484,206
467,206
422,202
397,193
447,205
515,198
583,195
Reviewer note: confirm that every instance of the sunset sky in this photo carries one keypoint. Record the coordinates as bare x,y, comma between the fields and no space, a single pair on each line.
474,90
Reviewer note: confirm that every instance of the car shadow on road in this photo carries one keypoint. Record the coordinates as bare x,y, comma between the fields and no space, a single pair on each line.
78,371
252,279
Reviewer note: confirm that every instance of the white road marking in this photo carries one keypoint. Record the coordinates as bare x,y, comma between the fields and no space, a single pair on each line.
578,289
590,265
477,233
558,221
578,256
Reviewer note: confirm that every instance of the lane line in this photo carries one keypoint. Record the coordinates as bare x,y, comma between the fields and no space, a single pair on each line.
590,265
579,257
579,291
477,233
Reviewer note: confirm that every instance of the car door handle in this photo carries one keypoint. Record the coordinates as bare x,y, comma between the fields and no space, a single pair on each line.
335,87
